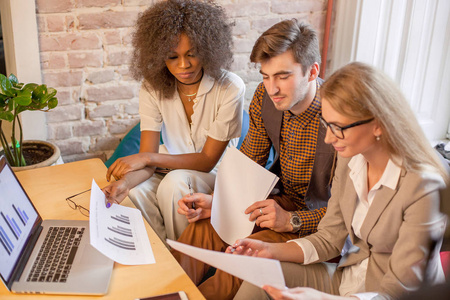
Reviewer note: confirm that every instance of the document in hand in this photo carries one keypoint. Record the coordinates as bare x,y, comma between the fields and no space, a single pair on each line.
240,182
256,270
118,232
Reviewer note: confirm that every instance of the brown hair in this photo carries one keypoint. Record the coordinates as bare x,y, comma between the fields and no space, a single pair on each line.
158,30
288,35
361,91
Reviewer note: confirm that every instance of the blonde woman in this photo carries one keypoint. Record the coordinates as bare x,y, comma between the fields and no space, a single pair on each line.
385,197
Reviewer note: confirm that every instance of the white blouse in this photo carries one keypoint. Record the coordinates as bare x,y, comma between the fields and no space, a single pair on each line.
353,277
217,113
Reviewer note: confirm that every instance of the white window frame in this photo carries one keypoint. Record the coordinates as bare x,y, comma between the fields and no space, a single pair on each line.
409,40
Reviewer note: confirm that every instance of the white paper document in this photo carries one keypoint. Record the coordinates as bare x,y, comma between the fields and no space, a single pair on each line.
240,182
118,232
256,270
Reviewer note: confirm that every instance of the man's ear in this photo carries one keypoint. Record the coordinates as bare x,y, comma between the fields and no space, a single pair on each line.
314,71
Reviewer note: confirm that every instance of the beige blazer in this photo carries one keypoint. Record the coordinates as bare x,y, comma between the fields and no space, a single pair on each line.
396,234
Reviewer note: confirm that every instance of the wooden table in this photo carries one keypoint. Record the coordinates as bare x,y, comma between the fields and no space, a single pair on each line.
48,188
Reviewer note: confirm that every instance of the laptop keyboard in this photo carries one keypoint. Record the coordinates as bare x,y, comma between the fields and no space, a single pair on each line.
54,260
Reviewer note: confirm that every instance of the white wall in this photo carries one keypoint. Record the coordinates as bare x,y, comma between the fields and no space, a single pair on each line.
22,55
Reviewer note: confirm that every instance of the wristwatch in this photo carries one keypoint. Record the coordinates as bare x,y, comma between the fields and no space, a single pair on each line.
295,221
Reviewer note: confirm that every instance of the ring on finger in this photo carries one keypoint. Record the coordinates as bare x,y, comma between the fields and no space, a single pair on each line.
260,211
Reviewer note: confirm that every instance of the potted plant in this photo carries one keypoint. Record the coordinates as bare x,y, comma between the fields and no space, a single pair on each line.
15,98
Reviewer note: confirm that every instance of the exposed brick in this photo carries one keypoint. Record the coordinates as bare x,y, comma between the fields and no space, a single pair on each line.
125,74
73,146
59,131
41,22
108,19
53,60
54,6
118,58
70,41
89,128
63,78
122,126
65,97
247,9
109,93
97,94
106,110
70,23
137,2
243,45
65,113
56,23
240,62
105,143
262,25
127,36
241,27
97,3
132,108
290,7
112,37
86,59
101,76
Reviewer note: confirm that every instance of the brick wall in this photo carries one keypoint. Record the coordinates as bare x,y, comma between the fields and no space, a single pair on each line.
84,49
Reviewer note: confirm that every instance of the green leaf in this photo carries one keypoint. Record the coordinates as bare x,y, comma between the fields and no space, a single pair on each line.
13,78
30,87
23,100
40,93
6,86
6,115
52,103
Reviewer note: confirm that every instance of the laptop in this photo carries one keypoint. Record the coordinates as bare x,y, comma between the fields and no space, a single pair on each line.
29,261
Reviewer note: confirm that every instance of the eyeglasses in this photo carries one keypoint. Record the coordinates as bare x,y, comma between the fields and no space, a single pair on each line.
83,210
338,131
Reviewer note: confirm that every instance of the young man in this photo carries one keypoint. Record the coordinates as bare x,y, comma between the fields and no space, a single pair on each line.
284,113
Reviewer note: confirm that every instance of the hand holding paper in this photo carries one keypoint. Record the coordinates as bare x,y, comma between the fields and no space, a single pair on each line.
118,232
256,270
239,183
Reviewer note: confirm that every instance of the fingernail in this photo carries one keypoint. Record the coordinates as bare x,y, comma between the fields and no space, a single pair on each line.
108,205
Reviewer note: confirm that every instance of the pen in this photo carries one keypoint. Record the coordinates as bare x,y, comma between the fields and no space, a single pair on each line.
191,191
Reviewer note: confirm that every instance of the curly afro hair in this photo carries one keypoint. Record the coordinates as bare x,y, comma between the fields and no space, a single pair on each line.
158,30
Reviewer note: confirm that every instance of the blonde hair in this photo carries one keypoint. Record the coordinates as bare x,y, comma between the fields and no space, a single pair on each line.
360,91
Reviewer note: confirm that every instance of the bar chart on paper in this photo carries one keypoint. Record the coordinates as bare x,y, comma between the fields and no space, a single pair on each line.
121,230
118,231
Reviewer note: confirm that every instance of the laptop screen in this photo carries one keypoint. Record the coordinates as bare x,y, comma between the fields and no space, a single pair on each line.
17,217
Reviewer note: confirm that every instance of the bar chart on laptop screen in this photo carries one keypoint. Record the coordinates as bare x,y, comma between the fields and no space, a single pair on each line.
14,226
17,217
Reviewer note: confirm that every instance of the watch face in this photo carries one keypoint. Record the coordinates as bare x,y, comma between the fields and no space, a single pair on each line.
296,220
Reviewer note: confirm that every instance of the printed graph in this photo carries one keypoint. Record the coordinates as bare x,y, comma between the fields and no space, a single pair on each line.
121,218
122,230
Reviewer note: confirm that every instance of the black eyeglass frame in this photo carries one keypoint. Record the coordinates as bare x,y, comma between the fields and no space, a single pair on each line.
334,127
83,210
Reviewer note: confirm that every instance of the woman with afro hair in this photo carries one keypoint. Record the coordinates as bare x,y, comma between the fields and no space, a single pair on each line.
182,49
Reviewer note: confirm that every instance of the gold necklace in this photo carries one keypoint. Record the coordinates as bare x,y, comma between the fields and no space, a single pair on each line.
189,96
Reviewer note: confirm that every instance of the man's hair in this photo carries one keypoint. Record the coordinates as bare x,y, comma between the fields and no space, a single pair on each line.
360,91
288,35
158,30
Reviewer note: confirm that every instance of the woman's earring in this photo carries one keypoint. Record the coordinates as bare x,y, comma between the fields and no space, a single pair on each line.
377,138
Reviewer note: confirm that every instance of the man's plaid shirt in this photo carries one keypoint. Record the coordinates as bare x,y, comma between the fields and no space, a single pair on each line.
297,151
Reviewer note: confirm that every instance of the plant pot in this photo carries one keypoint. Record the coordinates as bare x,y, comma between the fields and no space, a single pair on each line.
39,154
